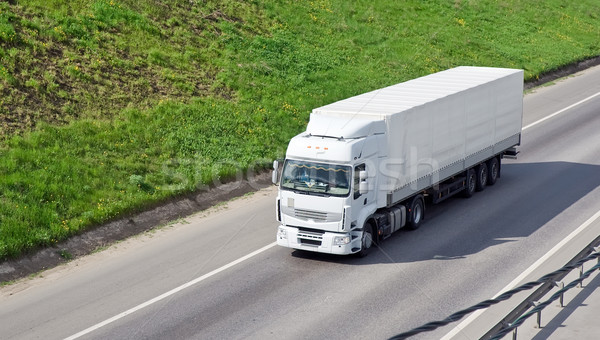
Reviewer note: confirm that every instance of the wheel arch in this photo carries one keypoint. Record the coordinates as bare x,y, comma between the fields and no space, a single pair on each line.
371,219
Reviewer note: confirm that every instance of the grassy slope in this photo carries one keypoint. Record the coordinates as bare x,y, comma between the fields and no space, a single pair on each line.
107,107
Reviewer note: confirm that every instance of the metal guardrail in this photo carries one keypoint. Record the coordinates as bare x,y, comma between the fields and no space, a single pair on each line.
524,310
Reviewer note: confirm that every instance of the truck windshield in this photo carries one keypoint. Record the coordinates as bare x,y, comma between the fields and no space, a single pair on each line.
318,178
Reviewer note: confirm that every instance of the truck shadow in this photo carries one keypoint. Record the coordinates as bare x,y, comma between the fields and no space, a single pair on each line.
526,198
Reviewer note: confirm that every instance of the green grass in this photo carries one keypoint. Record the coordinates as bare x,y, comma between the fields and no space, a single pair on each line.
106,108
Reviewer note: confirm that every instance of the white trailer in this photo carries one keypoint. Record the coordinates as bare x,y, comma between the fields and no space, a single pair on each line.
365,165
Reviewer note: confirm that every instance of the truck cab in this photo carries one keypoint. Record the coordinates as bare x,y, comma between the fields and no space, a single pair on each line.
327,186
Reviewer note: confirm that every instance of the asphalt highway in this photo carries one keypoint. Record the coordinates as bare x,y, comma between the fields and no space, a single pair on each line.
203,278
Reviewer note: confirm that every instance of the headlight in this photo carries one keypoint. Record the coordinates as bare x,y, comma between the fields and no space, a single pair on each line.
282,233
341,240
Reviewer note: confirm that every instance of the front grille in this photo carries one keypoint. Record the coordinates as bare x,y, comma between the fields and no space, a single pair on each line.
310,242
310,238
316,216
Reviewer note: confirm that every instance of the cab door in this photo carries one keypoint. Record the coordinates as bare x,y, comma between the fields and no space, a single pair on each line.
361,202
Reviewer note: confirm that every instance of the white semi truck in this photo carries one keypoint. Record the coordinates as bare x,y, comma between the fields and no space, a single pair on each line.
366,165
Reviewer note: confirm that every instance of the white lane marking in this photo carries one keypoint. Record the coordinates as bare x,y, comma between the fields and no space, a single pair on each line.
561,111
169,293
531,269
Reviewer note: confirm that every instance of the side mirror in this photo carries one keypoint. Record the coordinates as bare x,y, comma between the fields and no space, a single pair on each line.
363,175
275,174
363,186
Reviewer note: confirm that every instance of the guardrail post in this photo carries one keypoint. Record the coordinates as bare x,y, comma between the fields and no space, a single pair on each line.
514,334
580,285
560,285
539,314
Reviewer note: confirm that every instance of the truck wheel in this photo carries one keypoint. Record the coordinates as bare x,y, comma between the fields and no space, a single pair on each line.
471,184
482,176
493,171
416,212
366,241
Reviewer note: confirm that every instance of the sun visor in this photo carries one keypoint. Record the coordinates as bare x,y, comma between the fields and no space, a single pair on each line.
348,127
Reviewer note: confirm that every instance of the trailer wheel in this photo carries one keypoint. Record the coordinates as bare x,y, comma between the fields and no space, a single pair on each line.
366,241
493,171
416,212
482,176
471,184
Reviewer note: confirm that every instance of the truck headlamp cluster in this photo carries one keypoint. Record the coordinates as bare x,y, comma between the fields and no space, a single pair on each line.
341,240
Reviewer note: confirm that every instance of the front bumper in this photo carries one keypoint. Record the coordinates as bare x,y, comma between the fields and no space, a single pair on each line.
316,241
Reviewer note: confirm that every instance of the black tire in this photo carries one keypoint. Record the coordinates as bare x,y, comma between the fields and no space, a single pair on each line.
493,171
482,177
367,240
471,184
416,212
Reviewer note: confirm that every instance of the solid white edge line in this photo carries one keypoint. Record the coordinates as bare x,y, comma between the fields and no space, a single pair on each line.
561,111
169,293
523,275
